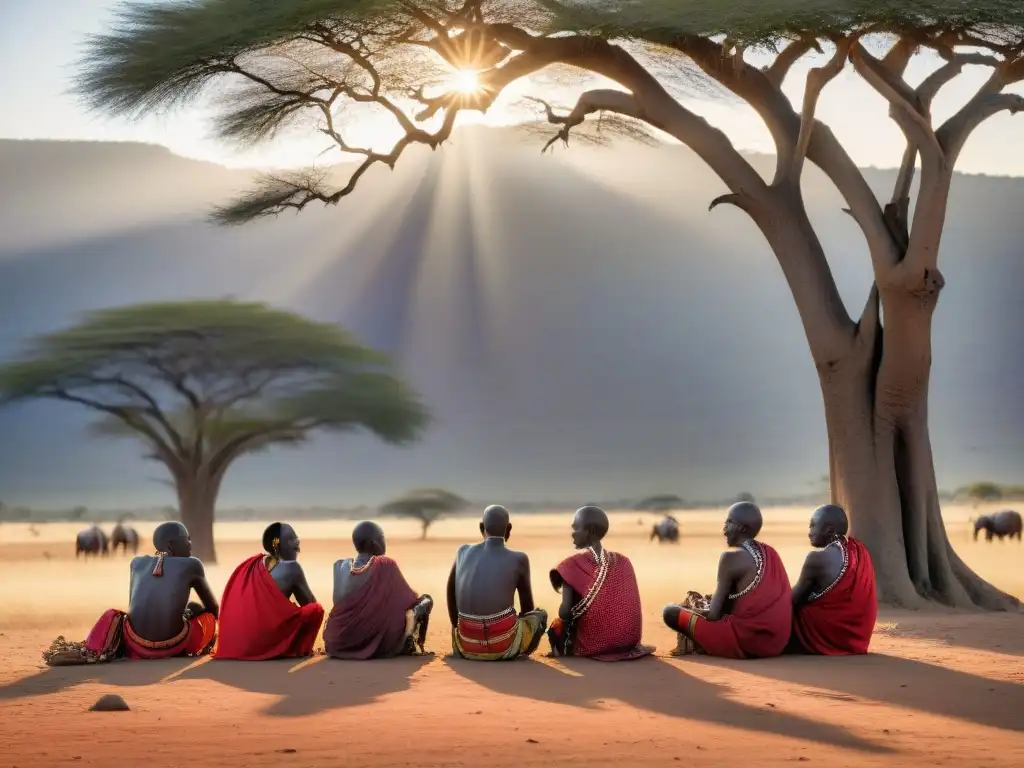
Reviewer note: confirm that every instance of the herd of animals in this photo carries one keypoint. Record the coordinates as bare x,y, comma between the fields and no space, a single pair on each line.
94,540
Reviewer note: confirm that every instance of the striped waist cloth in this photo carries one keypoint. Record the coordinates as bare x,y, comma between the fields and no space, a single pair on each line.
488,630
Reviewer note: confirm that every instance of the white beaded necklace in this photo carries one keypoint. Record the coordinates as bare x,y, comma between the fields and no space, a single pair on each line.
753,549
839,542
602,561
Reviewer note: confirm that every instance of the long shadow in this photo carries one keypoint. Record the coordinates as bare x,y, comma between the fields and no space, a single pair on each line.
998,632
903,683
651,684
302,688
316,686
121,674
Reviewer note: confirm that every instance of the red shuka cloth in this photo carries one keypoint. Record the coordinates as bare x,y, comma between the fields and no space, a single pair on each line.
840,622
759,623
371,621
611,628
257,622
113,633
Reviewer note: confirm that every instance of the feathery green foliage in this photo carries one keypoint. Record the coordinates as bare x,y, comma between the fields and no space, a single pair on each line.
215,376
764,22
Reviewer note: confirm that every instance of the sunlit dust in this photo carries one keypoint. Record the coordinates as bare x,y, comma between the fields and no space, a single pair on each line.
466,81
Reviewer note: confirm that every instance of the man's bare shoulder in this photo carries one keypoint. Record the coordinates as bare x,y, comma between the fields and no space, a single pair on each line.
735,559
817,557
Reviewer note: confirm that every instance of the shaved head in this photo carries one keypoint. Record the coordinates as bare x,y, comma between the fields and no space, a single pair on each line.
595,518
172,537
835,516
742,522
589,526
827,523
495,521
368,538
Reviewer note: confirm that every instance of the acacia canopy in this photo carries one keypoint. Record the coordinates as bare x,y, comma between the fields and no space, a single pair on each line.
201,383
425,504
303,63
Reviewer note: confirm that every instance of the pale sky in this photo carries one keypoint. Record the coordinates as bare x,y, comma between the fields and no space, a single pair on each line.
41,39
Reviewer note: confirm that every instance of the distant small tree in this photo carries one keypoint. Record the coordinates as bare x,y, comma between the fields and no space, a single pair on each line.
745,496
661,503
983,492
78,513
201,383
426,505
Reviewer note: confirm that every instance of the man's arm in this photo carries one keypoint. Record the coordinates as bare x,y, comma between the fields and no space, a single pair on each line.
423,607
202,588
810,577
300,587
453,608
569,599
726,580
525,588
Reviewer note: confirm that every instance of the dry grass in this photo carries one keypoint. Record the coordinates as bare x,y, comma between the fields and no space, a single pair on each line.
67,595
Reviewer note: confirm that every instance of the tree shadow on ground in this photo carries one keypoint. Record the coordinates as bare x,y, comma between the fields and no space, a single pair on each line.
651,684
122,674
998,633
311,686
303,686
900,682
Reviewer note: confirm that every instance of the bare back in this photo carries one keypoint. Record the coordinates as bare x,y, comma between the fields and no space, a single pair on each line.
156,604
346,582
487,577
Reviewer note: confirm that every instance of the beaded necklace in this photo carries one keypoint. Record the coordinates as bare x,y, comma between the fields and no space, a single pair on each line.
356,570
602,560
753,549
839,542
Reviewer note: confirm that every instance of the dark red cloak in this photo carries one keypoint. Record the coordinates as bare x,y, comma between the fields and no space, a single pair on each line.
759,623
840,622
371,621
257,622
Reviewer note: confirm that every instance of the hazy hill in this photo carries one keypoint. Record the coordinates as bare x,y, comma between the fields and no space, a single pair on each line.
583,327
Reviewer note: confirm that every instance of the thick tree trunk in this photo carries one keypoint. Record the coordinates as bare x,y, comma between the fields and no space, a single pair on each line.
197,499
881,465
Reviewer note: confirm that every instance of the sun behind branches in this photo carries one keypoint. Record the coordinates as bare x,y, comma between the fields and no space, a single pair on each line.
465,81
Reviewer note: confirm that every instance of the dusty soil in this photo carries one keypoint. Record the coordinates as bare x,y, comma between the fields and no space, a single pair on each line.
938,688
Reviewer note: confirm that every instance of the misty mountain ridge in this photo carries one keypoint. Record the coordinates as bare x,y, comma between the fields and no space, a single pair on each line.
581,325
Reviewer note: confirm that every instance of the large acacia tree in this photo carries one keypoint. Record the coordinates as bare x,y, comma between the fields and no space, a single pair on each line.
201,383
275,63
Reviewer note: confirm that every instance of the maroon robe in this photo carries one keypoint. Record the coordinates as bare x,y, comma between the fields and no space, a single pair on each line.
372,621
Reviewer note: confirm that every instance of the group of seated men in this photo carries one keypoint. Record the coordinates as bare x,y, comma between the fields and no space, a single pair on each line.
268,610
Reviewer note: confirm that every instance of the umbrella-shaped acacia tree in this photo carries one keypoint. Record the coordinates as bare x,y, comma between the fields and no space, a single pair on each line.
275,62
426,505
201,383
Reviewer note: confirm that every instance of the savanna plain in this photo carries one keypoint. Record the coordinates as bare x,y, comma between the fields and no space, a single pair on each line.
938,688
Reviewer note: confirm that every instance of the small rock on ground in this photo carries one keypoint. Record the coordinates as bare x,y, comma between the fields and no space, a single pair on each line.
110,703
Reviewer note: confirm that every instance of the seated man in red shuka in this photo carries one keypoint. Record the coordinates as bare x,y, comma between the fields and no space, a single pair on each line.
750,614
600,616
161,622
834,600
258,619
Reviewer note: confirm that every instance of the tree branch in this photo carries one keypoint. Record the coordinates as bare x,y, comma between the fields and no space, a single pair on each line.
904,105
130,418
988,101
777,71
598,100
817,79
898,57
